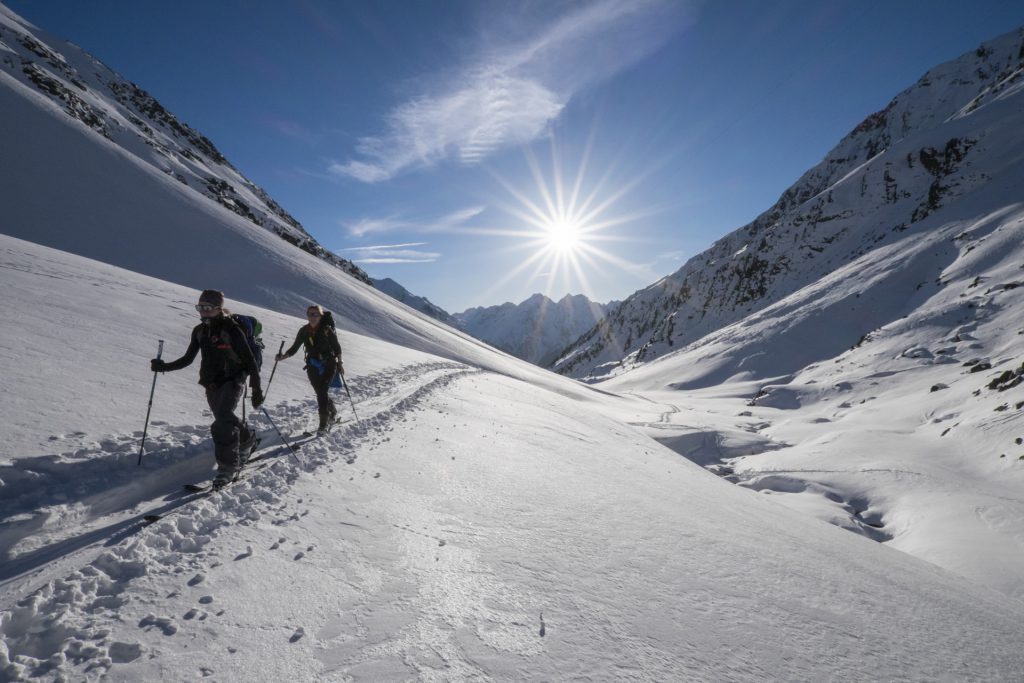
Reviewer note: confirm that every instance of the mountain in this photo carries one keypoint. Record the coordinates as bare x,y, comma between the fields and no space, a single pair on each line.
96,97
419,303
535,329
899,175
476,517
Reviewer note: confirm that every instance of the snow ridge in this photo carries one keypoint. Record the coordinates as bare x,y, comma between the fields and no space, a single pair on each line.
952,133
91,93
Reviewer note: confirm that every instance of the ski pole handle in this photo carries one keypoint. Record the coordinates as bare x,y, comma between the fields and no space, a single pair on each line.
152,390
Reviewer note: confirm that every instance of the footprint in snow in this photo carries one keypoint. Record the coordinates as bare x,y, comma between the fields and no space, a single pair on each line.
298,635
300,555
247,553
206,600
197,579
122,653
165,624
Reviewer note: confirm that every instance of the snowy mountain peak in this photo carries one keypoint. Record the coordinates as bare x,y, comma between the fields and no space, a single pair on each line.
536,329
951,134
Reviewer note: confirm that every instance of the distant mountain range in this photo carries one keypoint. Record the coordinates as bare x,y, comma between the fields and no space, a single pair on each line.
419,303
537,329
947,137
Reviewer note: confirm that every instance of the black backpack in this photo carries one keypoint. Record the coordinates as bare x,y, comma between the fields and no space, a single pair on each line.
328,320
252,329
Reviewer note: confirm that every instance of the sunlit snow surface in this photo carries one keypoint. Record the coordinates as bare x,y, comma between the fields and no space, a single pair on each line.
470,525
484,519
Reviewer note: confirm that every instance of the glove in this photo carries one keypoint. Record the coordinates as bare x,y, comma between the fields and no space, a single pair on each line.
280,357
257,397
157,365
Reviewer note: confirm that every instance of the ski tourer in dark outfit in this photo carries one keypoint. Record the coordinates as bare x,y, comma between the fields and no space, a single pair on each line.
323,359
226,363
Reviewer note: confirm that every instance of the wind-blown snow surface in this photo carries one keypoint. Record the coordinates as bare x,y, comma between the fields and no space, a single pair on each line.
470,525
914,435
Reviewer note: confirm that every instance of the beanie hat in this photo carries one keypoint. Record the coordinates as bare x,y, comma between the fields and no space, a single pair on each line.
212,296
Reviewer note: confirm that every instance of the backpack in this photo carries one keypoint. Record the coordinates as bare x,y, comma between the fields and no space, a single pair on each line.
328,320
252,329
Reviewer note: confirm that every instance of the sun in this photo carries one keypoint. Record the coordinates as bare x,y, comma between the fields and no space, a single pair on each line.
563,236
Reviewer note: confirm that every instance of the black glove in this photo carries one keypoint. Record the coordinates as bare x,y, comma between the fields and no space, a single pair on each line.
257,397
157,365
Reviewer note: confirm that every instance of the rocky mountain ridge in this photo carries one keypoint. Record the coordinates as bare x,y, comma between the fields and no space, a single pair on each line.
917,156
536,329
120,111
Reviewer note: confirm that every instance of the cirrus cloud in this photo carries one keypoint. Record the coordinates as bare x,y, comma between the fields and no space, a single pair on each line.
509,93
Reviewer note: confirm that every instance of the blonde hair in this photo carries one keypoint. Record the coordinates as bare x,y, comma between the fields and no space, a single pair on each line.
315,307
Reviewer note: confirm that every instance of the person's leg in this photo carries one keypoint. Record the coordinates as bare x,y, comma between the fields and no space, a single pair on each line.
332,369
319,382
226,428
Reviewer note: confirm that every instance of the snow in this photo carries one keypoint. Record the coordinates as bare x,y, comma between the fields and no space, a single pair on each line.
469,525
475,517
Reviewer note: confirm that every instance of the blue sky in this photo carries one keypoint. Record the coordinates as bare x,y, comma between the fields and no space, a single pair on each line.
479,151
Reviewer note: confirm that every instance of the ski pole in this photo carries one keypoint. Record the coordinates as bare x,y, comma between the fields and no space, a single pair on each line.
291,448
245,392
345,384
272,371
152,390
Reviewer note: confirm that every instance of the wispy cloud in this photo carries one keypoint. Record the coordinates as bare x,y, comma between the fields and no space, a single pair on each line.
369,226
393,253
509,93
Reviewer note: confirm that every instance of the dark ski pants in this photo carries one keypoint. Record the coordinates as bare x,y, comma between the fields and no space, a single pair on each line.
321,383
227,430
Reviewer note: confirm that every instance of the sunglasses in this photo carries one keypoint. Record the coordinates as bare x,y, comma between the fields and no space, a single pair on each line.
313,315
206,308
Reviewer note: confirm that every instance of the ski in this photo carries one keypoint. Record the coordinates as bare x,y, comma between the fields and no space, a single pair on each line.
196,491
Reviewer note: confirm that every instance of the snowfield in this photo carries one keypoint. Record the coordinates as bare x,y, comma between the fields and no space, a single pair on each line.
469,525
773,501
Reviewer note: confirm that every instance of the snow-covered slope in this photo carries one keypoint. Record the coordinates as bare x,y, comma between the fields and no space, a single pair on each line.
536,329
467,526
418,303
476,517
83,89
912,435
896,178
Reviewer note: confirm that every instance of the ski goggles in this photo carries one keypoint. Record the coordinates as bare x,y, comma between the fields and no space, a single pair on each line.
206,308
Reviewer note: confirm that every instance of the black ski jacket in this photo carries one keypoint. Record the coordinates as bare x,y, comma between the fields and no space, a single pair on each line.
226,355
321,344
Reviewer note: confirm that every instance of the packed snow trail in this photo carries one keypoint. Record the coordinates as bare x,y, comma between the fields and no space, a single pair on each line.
476,527
80,507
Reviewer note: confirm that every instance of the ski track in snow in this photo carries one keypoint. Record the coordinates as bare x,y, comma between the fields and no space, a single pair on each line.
62,623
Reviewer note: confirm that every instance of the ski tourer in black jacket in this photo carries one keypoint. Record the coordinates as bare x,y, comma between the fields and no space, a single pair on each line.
226,356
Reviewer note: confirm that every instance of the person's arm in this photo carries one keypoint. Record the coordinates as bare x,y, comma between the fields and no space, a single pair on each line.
183,362
295,346
332,339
